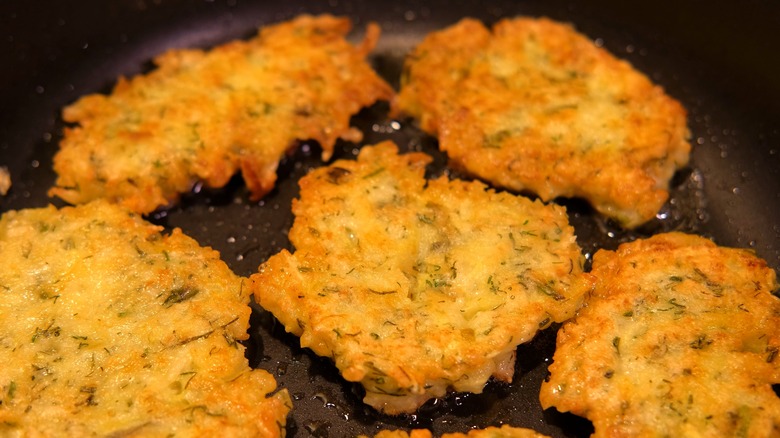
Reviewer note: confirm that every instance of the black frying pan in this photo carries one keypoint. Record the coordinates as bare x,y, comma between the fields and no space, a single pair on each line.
718,60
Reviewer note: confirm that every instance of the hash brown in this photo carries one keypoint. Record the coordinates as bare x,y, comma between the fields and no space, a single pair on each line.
5,181
111,328
679,338
535,106
414,287
202,115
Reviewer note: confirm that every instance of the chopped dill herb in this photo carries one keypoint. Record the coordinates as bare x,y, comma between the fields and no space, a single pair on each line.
771,354
46,333
189,376
425,219
701,342
549,291
374,173
493,286
179,295
11,390
494,140
382,292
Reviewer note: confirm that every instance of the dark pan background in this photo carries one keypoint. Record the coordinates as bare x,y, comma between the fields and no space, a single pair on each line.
719,60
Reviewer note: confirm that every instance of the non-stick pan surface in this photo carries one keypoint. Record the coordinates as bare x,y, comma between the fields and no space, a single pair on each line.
718,60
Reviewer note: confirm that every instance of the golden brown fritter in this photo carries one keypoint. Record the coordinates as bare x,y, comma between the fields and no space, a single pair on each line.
5,181
535,106
111,329
202,115
504,431
679,338
416,287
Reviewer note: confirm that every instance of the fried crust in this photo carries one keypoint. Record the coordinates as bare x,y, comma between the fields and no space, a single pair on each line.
504,431
679,338
111,328
416,287
5,181
203,115
535,106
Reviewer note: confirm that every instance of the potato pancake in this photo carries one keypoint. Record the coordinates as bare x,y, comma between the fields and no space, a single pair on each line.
490,432
5,181
535,106
111,328
414,287
202,115
679,338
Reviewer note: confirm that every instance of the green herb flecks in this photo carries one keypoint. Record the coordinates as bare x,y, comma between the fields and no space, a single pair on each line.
616,344
231,341
544,288
186,341
47,332
495,288
678,308
188,376
44,227
68,244
437,282
494,140
425,219
549,291
262,108
558,108
771,354
90,400
382,292
45,295
702,278
11,390
374,173
82,341
701,342
195,137
179,295
515,246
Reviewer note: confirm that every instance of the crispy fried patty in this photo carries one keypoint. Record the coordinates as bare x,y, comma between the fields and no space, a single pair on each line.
202,115
414,287
679,338
5,181
535,106
110,328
